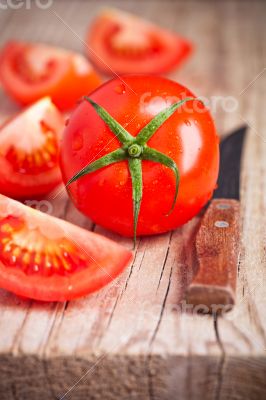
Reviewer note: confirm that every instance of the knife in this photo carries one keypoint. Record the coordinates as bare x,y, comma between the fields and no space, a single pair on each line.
217,240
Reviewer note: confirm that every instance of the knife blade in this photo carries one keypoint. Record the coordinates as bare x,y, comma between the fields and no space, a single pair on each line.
218,237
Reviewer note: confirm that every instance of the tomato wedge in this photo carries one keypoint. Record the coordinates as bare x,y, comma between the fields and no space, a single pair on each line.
124,43
29,151
45,258
31,71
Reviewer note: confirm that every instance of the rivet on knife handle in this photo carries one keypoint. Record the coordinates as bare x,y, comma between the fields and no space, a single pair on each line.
217,252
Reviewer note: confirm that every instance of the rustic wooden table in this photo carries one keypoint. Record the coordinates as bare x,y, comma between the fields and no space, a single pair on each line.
131,340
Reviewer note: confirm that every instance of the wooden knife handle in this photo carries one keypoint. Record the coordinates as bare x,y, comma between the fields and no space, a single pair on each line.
217,252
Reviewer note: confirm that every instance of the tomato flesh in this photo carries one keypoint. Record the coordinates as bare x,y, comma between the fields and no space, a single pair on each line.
45,258
41,160
189,137
125,43
31,71
29,151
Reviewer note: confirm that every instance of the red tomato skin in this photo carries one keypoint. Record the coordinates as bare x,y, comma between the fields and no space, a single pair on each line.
65,86
188,137
28,187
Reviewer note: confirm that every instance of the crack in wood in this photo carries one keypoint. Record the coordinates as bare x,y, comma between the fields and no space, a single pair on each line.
132,267
143,255
149,356
166,256
14,391
255,317
110,319
55,313
15,346
222,358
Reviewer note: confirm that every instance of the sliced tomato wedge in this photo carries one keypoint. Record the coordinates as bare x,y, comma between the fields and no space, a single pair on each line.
29,151
31,71
124,43
45,258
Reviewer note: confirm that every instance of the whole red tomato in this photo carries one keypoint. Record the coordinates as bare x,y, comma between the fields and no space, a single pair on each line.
187,138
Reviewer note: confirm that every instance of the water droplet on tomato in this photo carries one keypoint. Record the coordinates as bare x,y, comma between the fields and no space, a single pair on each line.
120,89
50,164
77,143
66,121
187,122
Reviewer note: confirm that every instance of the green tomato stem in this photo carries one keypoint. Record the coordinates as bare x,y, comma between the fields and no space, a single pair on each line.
158,157
135,168
108,159
134,150
121,133
149,130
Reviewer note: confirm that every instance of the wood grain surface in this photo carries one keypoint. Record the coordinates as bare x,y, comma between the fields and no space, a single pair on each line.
134,339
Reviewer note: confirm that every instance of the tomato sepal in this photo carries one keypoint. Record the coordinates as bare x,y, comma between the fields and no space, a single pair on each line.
156,156
135,169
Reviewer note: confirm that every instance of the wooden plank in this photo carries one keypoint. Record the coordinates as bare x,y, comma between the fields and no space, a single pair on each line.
133,339
246,325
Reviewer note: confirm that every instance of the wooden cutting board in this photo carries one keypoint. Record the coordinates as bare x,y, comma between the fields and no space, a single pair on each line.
131,340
